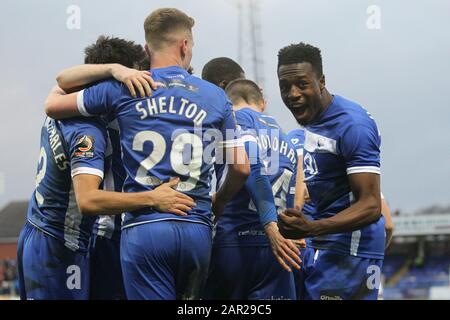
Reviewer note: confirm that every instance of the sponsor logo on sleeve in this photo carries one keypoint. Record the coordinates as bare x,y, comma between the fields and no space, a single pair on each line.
84,147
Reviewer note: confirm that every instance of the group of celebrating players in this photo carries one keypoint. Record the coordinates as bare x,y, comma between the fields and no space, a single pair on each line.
123,205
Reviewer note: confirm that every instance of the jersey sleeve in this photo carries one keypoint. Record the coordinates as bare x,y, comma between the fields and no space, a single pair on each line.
258,183
87,147
246,126
259,187
360,147
230,133
100,99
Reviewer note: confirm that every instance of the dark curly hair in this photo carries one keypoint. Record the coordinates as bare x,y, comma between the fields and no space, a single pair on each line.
116,50
301,52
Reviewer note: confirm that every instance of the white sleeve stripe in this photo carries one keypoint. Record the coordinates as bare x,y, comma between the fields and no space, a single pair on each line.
248,138
80,104
87,170
231,143
363,170
299,152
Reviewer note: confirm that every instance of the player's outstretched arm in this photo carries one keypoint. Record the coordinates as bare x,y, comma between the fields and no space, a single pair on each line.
93,201
238,171
365,210
76,78
300,187
259,187
388,224
60,105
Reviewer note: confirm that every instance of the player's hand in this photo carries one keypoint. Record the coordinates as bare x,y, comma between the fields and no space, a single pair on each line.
170,200
135,80
285,250
294,225
300,243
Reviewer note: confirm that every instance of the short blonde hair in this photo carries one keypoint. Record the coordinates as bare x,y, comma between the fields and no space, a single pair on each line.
161,24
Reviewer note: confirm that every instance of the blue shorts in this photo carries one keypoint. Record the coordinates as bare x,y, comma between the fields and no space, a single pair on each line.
165,260
106,272
326,275
248,273
49,270
298,275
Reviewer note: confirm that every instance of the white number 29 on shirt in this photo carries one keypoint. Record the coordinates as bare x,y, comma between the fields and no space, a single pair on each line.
193,169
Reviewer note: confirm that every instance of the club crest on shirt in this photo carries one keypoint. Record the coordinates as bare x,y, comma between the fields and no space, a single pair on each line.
309,166
84,147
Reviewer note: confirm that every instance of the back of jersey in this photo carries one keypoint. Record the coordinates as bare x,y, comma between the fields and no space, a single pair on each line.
167,135
240,221
67,147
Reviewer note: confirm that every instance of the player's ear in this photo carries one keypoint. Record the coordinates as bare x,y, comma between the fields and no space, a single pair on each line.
184,48
263,105
223,84
322,82
147,50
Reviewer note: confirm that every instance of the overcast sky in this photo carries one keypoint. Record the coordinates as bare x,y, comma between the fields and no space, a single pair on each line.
399,72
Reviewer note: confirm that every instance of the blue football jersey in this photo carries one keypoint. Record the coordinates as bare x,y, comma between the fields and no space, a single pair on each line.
174,133
344,141
240,222
297,138
68,148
